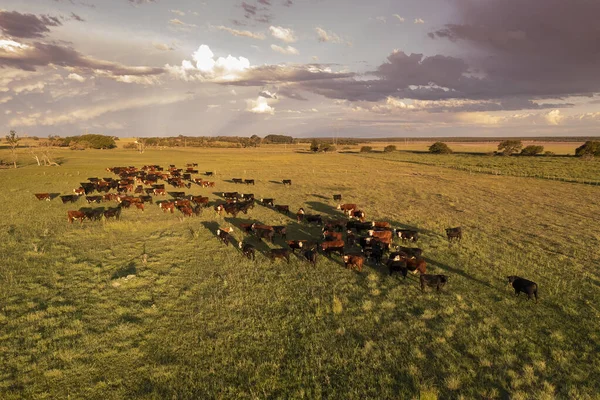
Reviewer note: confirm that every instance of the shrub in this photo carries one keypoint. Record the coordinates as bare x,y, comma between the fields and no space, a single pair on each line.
389,149
327,147
590,148
130,146
314,146
532,150
509,147
91,141
440,148
366,149
549,153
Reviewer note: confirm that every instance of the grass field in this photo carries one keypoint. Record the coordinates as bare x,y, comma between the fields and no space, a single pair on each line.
82,316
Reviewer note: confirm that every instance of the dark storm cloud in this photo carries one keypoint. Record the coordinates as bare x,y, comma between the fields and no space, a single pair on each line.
256,12
278,74
17,25
77,17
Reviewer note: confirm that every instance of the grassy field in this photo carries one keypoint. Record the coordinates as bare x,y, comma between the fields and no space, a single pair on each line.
82,316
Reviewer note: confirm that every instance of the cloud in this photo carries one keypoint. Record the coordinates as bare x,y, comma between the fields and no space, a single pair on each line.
205,68
554,117
5,99
17,25
285,50
419,21
162,46
76,77
180,25
242,33
259,106
257,13
288,3
267,95
325,36
178,12
381,19
398,17
285,34
141,1
77,17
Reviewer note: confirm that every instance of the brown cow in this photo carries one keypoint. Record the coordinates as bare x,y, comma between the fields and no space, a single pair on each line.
382,224
79,191
330,235
381,235
333,246
161,192
347,207
354,261
416,264
73,215
43,196
167,205
140,206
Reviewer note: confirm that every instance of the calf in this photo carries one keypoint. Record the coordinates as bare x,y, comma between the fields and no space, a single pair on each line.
436,281
223,236
287,182
249,181
283,209
523,285
247,250
454,233
43,196
352,261
407,234
337,197
279,253
311,256
73,215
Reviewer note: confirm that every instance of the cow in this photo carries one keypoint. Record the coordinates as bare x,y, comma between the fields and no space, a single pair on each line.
523,285
69,198
186,211
296,245
347,207
397,264
166,206
333,246
357,214
146,199
281,231
230,195
207,184
350,238
279,253
73,215
300,215
208,173
223,236
93,199
377,248
139,206
200,200
313,218
359,226
139,189
264,234
79,191
416,264
43,196
410,251
249,181
267,202
335,225
247,196
436,281
182,203
282,209
382,225
287,182
237,180
354,261
247,250
246,228
407,234
329,236
337,197
311,256
454,233
160,192
381,235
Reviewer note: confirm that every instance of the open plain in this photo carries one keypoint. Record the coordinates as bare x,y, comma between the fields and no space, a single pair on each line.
154,306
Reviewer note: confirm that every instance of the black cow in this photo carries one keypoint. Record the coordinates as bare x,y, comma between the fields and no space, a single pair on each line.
454,233
436,281
249,181
208,173
287,182
296,245
335,225
316,219
311,256
407,234
267,202
264,234
223,236
359,226
230,195
247,250
283,209
69,198
279,253
337,197
523,285
237,180
247,196
281,231
397,264
410,251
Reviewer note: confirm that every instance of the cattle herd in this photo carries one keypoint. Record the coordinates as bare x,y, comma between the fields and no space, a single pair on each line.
356,240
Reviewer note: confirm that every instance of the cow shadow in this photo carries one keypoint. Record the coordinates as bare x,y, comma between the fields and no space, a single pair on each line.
276,182
402,225
320,196
458,272
54,195
325,209
128,269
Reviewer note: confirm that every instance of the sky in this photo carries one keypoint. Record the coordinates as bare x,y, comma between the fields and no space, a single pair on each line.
305,68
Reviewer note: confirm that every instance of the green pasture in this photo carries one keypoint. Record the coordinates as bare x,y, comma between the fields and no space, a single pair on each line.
85,315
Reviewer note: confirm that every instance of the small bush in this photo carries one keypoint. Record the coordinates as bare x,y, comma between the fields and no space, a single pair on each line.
130,146
532,150
509,147
590,148
389,149
440,148
549,153
366,149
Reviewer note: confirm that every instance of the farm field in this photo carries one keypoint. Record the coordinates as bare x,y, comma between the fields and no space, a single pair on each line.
82,315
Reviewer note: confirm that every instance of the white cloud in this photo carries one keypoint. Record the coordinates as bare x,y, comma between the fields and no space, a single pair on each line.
162,46
180,25
381,19
11,46
399,18
419,21
285,34
236,32
178,12
325,36
285,50
554,117
76,77
205,68
259,106
5,99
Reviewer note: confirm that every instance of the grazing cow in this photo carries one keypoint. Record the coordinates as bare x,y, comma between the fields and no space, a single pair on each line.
335,225
223,236
410,251
264,234
523,285
247,250
249,181
397,264
182,203
73,215
69,198
383,225
208,173
329,236
79,191
357,214
246,228
200,200
237,180
279,253
350,238
296,244
347,207
436,281
385,236
139,206
416,264
337,197
230,195
316,219
177,195
186,211
407,234
333,246
454,233
247,196
160,192
354,261
207,184
166,206
359,226
282,209
267,202
43,196
146,199
281,231
287,182
311,256
95,214
377,249
93,199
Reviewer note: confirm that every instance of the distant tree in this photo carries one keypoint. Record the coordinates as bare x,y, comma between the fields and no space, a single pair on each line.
509,147
591,148
549,153
366,149
532,150
91,141
327,147
141,144
389,149
13,142
440,148
255,140
281,139
314,146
